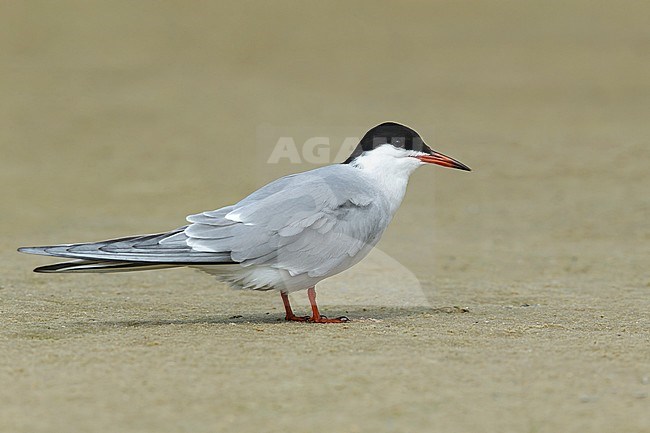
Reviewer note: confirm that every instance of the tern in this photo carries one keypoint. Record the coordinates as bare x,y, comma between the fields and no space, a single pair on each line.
286,236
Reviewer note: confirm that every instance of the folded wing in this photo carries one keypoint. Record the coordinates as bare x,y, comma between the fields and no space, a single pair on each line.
309,223
167,248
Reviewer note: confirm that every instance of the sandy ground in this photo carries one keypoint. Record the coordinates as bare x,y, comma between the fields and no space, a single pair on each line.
513,298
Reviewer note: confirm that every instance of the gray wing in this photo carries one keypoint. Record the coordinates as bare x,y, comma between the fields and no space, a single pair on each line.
167,248
310,223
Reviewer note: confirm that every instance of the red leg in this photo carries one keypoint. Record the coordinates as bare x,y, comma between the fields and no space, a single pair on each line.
289,312
316,317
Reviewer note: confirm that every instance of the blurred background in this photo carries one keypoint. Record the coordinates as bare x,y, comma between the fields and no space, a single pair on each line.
129,115
122,117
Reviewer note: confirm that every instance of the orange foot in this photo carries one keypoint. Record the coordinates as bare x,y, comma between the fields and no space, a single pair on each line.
316,317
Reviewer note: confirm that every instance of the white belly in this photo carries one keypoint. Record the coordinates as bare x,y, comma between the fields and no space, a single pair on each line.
263,277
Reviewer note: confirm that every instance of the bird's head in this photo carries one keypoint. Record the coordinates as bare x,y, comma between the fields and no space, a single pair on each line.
395,144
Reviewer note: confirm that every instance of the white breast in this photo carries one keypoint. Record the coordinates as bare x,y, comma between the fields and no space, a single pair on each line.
389,168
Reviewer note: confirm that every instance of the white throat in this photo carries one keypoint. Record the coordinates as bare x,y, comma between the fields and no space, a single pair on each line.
390,169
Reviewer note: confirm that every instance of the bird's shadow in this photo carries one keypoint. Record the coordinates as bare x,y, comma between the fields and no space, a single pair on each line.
354,313
357,315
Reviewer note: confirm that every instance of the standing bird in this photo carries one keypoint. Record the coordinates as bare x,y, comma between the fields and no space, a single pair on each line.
286,236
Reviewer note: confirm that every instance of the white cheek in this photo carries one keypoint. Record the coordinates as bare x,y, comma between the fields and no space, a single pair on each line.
390,169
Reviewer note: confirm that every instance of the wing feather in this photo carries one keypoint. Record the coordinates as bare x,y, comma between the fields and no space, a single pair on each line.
168,248
309,223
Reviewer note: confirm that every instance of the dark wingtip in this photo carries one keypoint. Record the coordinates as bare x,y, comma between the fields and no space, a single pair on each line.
45,269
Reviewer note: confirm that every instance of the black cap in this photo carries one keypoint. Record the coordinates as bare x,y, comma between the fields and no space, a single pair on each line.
389,133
